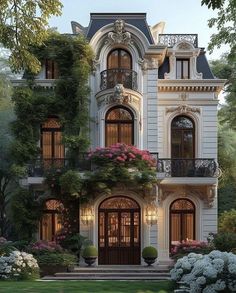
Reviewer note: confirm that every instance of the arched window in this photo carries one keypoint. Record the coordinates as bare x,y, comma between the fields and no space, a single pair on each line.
51,141
51,221
119,69
182,138
119,58
182,221
119,126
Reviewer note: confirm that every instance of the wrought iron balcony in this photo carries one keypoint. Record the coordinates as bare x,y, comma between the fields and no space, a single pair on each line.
188,167
112,77
38,167
170,40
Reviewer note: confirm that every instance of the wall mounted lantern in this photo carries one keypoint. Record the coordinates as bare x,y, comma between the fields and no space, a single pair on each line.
87,215
151,214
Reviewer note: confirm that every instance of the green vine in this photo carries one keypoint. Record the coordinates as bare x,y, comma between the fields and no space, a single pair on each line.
68,100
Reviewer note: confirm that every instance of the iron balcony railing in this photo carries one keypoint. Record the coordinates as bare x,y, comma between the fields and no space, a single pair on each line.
188,167
170,40
111,77
38,167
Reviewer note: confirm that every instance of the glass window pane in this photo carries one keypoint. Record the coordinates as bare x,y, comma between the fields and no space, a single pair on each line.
101,229
113,229
125,60
111,134
113,61
178,69
136,229
125,229
182,122
119,203
126,134
188,144
185,69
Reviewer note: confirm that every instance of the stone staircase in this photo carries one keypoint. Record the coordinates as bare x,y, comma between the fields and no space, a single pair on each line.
157,272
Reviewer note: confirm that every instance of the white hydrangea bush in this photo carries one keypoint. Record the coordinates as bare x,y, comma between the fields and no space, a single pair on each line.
210,273
18,265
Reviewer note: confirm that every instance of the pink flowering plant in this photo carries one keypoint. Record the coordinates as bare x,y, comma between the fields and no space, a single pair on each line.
120,163
43,246
186,246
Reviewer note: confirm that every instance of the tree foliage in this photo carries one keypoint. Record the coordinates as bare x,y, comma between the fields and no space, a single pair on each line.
24,23
227,222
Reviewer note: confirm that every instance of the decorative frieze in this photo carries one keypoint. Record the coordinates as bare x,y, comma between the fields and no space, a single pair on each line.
183,109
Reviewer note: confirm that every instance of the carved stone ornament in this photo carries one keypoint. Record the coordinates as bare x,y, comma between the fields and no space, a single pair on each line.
183,96
183,109
119,35
94,65
146,64
206,193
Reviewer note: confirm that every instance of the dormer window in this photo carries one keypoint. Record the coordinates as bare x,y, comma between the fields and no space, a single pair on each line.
182,68
51,69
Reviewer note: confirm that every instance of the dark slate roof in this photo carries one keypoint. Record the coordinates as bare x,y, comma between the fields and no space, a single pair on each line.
165,67
98,20
202,66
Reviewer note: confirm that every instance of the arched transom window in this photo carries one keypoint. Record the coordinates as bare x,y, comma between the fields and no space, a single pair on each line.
182,221
182,138
119,124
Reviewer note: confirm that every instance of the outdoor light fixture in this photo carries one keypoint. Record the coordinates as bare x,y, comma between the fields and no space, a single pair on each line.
87,215
151,214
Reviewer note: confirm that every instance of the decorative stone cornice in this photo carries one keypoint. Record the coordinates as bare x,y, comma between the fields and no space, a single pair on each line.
183,109
119,35
148,63
188,85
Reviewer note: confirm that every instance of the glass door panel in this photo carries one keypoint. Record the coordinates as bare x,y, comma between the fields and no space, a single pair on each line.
125,229
113,229
101,229
136,229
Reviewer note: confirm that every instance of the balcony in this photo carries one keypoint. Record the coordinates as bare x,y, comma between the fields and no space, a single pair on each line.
38,167
170,40
188,167
111,77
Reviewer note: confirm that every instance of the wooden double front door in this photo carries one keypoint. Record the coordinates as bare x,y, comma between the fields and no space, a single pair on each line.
119,231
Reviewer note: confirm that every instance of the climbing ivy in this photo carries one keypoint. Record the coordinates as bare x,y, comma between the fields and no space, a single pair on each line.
68,100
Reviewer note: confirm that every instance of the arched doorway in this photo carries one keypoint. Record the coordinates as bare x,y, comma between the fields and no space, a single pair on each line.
119,231
182,221
119,126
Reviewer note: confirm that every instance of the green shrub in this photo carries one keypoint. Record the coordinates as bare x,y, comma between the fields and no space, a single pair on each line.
227,221
149,251
90,251
56,258
224,241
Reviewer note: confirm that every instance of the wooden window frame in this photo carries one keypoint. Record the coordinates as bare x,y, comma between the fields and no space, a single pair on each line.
181,61
182,212
119,58
181,131
119,122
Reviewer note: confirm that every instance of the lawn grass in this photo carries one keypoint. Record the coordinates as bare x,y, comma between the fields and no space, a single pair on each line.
86,287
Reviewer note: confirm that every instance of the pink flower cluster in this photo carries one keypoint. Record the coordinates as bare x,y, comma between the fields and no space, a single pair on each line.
121,153
188,246
43,245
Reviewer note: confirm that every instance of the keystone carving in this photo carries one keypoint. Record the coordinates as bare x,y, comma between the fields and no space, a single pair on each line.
119,35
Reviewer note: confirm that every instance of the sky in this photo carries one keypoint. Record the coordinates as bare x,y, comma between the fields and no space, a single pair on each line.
182,16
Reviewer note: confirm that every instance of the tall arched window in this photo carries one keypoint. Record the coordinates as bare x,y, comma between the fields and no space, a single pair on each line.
51,221
182,221
51,140
182,138
119,126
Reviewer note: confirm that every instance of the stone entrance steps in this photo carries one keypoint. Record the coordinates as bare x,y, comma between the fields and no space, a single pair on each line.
158,272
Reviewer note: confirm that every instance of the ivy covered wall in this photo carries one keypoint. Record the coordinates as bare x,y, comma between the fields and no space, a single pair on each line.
68,100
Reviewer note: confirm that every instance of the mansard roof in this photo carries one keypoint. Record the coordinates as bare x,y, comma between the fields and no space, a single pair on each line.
138,20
